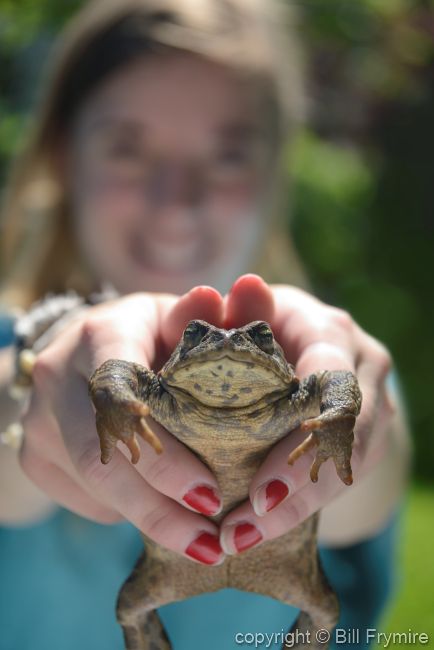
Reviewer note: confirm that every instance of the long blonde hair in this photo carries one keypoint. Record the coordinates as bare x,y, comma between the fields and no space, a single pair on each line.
253,37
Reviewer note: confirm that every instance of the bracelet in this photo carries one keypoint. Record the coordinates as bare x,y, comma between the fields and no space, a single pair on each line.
13,436
33,331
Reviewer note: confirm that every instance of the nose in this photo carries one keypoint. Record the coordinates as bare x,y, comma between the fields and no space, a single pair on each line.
174,183
229,338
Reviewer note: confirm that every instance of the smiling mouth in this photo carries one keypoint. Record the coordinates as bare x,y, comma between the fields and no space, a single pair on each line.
236,357
168,256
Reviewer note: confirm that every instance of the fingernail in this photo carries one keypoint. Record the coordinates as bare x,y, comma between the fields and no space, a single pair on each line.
245,536
204,499
268,497
275,492
205,548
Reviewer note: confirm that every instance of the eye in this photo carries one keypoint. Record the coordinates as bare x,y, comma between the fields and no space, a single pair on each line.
193,334
262,336
231,163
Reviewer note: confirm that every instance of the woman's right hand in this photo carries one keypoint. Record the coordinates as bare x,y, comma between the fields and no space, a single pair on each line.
61,452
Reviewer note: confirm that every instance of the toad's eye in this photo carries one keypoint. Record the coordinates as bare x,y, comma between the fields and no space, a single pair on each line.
262,335
193,334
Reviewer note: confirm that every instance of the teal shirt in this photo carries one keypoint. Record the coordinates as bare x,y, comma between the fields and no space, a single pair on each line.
59,584
60,579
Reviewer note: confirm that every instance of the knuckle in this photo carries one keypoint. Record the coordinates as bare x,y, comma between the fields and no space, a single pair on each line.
160,472
332,325
156,522
377,353
91,328
110,517
90,467
341,318
301,509
44,373
384,359
297,509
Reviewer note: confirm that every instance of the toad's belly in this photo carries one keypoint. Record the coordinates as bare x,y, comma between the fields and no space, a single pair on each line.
234,445
255,569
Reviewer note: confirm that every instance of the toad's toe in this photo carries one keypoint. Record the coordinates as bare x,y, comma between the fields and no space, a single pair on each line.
333,436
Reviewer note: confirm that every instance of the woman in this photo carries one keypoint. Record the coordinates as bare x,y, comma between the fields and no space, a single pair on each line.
153,168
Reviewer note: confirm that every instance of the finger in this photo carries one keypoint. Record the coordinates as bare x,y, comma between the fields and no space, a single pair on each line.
179,474
242,528
373,365
201,302
45,460
305,328
275,480
120,486
249,299
374,414
194,486
54,482
128,331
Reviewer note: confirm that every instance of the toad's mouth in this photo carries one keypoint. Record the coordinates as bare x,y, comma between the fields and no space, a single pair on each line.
235,360
225,380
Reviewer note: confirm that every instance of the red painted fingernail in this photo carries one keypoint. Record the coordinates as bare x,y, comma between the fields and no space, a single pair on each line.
205,548
203,499
245,536
275,492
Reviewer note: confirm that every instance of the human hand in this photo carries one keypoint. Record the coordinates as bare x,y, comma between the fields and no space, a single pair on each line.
162,494
61,451
314,336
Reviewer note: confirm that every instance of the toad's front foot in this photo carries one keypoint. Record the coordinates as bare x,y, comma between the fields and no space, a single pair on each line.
120,415
333,436
332,432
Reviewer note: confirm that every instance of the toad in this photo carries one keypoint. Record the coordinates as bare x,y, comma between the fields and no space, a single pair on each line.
229,395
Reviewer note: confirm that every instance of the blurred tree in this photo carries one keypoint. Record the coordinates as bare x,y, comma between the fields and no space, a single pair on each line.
27,29
364,205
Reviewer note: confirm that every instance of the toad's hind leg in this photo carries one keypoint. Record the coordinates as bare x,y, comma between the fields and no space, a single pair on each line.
138,599
289,570
319,612
161,576
149,635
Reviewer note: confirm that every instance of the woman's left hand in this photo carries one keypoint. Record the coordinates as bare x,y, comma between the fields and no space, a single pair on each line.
314,336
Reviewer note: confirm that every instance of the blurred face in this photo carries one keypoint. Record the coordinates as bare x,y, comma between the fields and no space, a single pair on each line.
167,171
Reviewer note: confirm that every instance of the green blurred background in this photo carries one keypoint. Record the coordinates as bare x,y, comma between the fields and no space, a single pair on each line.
363,207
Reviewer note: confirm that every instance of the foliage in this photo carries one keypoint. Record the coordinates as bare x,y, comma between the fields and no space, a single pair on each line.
363,214
412,607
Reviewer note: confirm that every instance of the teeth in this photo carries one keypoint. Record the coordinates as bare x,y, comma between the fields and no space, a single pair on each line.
173,257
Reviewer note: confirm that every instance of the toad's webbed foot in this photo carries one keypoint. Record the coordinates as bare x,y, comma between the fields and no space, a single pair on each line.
333,436
116,389
332,432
